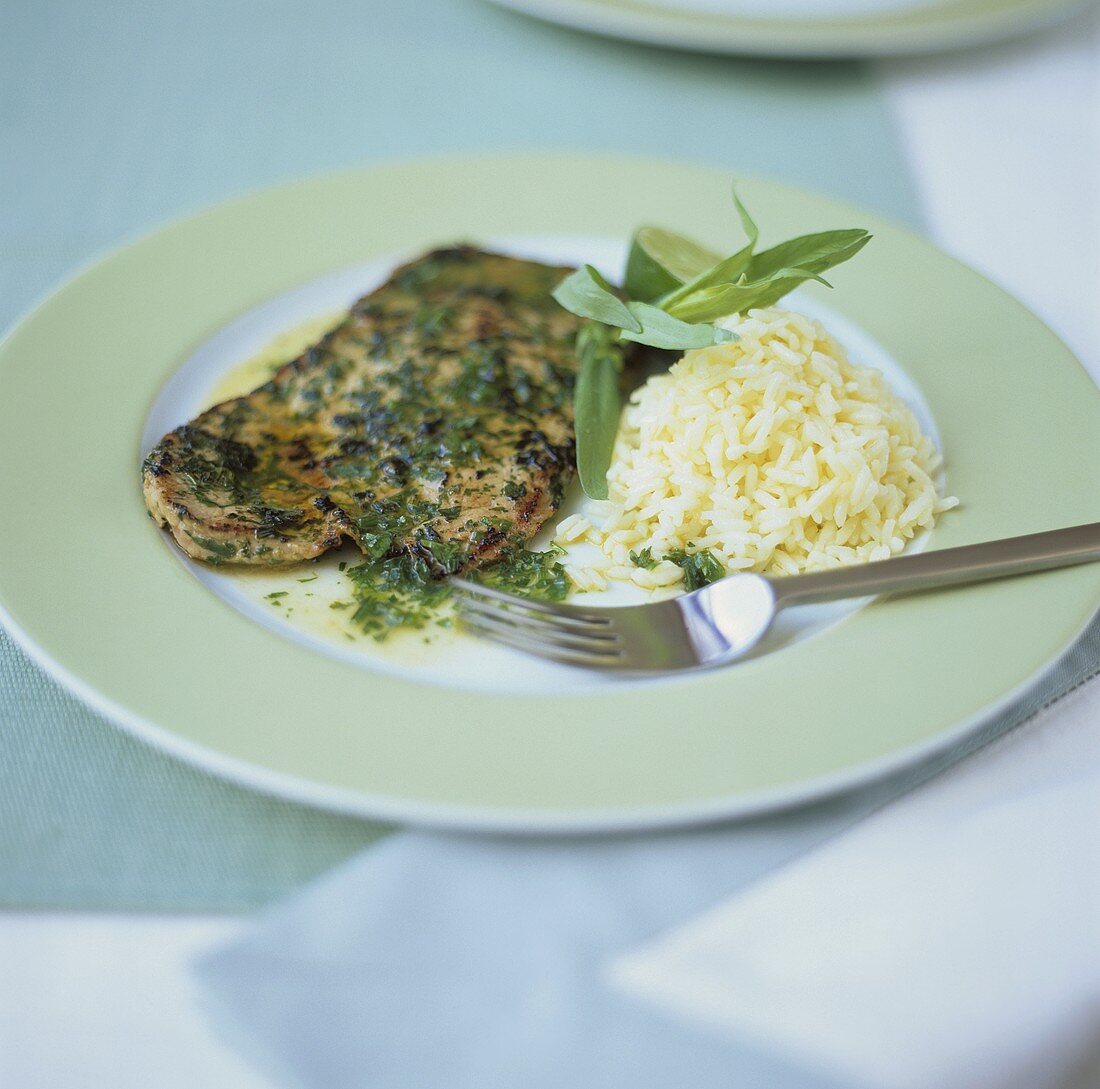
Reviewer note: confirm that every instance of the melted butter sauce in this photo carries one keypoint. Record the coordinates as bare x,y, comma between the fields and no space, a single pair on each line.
253,372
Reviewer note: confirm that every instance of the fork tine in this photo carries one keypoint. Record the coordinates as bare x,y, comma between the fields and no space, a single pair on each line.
507,637
602,639
568,615
545,621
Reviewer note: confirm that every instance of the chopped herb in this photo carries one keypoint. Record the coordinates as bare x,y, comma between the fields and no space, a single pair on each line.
643,558
375,545
699,568
395,591
408,590
431,320
309,578
528,574
443,557
275,595
274,522
222,550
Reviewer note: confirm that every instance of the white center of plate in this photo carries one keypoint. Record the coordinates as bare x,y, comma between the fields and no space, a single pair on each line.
301,609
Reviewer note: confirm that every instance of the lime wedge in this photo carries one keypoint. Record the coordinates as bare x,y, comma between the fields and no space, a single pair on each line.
660,262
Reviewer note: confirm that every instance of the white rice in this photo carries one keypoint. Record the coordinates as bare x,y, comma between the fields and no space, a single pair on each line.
774,452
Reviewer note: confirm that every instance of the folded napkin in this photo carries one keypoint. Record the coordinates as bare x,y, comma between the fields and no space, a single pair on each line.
952,939
437,961
448,962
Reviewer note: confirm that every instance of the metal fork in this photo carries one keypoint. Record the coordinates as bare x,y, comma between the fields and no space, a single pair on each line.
723,621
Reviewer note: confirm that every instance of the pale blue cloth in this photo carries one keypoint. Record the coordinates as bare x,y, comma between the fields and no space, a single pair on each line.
464,963
449,962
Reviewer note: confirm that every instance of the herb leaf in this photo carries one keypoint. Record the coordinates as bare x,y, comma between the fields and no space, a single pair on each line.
661,330
738,298
660,261
810,253
588,295
748,224
394,591
767,276
596,405
717,270
643,558
675,290
730,271
699,568
596,400
538,575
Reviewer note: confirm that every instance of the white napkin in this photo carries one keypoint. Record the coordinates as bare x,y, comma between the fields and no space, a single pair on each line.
951,940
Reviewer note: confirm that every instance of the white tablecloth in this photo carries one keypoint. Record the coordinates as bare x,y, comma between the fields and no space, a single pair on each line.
1005,144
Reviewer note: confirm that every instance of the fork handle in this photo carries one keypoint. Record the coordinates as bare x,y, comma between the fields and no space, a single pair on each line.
945,567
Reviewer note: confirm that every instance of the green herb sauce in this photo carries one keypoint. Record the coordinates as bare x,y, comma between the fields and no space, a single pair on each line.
404,591
699,568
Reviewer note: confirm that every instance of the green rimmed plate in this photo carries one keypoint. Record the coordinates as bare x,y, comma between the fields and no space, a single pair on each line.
106,605
898,29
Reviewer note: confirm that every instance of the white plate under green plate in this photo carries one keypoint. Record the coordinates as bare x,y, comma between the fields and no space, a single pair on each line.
918,27
93,588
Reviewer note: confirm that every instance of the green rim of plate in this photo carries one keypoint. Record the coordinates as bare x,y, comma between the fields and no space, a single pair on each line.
92,587
949,24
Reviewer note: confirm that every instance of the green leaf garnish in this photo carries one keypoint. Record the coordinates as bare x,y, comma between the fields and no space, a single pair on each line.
811,252
596,405
588,295
661,330
745,295
675,290
748,224
660,261
728,270
699,568
748,281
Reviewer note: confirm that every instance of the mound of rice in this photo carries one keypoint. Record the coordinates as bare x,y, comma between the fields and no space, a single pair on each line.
774,452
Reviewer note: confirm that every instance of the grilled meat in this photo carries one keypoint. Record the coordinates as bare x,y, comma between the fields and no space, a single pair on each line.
435,419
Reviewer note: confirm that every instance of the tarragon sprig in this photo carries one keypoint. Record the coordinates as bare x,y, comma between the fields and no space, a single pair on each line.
673,291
